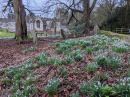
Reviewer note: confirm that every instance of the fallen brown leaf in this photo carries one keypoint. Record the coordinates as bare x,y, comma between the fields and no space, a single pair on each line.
70,79
88,77
97,72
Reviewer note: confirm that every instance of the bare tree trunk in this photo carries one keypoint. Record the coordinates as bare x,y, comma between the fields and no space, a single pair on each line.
17,19
23,25
127,14
20,21
55,29
86,14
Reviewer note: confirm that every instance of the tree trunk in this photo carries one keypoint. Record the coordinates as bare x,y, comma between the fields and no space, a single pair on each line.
20,22
127,14
86,14
23,25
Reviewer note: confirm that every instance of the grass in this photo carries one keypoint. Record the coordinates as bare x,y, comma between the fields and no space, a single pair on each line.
5,34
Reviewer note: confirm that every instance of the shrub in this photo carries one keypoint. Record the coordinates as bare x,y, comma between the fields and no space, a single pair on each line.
102,61
92,67
52,86
88,50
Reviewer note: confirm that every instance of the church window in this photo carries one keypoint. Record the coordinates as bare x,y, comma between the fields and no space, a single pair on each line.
38,24
52,25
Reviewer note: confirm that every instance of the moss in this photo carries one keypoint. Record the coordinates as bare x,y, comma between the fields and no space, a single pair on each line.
111,34
19,38
107,34
101,32
28,38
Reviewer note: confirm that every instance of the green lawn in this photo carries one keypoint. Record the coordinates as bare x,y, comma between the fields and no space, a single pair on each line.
5,34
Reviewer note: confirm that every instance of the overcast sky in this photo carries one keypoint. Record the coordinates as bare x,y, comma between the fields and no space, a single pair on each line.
33,5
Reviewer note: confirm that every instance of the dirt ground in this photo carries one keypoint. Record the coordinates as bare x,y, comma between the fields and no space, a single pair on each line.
11,50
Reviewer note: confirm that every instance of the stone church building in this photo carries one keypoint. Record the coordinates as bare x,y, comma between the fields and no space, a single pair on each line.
39,23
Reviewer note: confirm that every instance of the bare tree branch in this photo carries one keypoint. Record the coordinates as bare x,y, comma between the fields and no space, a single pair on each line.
91,8
73,10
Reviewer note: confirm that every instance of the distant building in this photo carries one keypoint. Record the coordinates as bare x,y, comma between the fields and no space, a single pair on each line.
37,22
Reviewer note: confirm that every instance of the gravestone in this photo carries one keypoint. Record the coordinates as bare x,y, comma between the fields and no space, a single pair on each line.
74,34
96,29
34,36
63,34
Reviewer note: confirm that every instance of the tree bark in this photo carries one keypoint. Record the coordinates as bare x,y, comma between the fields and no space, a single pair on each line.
20,21
127,14
86,14
23,25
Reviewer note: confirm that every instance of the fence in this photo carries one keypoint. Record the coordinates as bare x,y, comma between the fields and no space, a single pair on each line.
121,30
